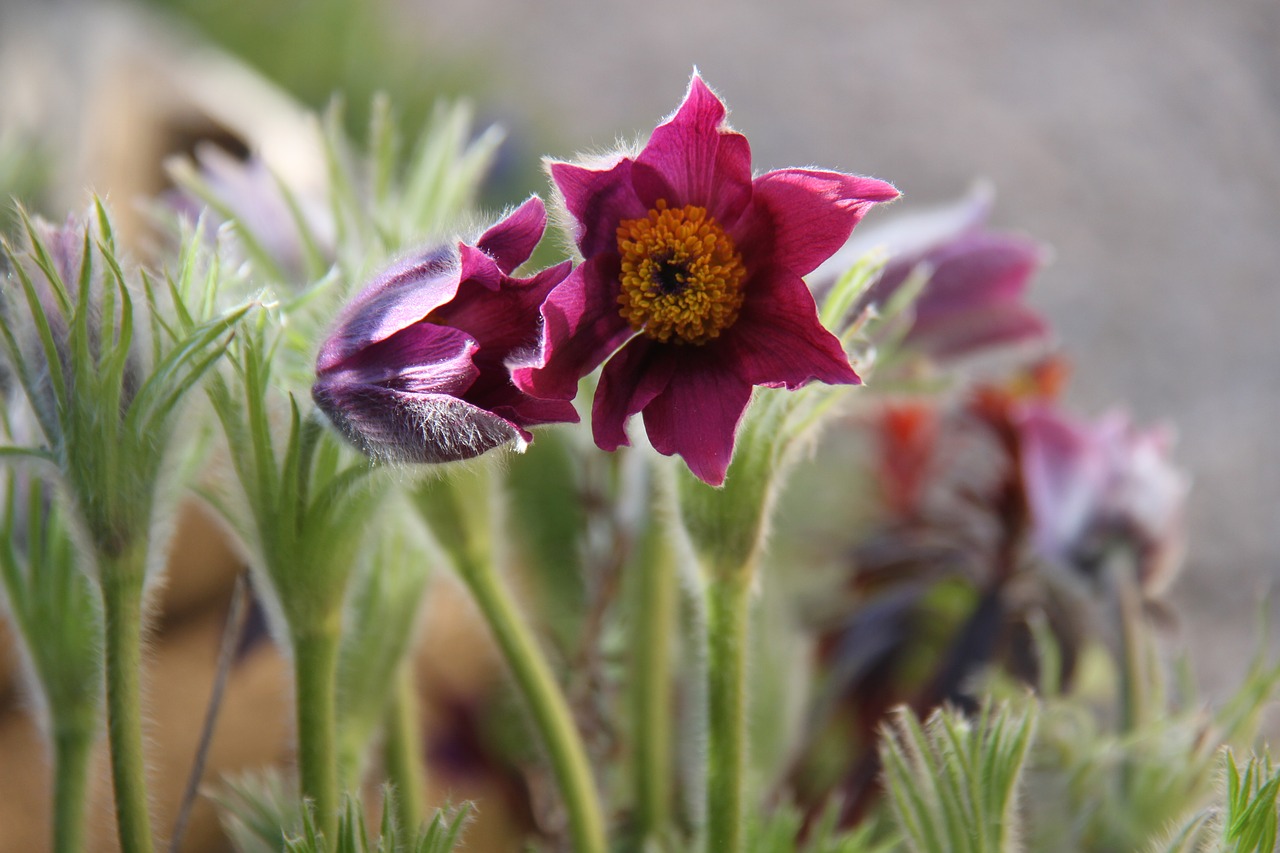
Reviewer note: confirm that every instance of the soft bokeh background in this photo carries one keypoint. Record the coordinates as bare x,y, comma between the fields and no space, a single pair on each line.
1141,141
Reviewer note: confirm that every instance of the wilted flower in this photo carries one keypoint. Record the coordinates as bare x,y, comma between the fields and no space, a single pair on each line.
415,370
691,284
1095,487
975,279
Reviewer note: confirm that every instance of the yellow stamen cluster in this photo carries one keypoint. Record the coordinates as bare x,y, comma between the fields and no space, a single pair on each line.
681,275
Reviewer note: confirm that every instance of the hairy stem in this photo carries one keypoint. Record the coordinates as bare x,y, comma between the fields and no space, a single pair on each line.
546,702
315,666
122,579
654,627
728,615
72,757
402,750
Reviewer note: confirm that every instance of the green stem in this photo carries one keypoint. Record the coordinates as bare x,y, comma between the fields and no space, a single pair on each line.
402,749
1133,669
728,615
546,702
72,754
654,627
122,580
315,666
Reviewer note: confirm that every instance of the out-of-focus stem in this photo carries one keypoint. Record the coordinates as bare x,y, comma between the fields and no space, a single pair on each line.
728,603
402,748
654,628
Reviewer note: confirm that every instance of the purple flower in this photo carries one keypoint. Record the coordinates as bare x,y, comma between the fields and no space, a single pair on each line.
415,370
1095,487
972,299
691,285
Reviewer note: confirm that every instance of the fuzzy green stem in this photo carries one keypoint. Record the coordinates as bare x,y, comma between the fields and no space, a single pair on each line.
654,627
728,614
122,580
72,756
315,666
546,702
402,748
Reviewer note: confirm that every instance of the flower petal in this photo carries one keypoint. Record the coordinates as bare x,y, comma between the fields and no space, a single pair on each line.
401,426
424,358
398,298
581,327
693,158
503,319
598,199
631,379
697,415
808,214
975,270
511,241
778,339
976,329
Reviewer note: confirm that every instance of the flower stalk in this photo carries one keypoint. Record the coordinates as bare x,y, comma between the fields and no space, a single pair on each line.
315,667
654,626
546,703
73,737
122,577
459,513
403,752
728,617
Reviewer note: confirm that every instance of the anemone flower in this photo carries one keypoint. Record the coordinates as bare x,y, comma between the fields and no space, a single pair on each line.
1103,485
691,285
414,371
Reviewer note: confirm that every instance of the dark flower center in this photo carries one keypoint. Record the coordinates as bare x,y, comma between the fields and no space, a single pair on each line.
681,275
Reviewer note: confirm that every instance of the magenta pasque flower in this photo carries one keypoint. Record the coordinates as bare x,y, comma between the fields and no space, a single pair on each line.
416,369
691,285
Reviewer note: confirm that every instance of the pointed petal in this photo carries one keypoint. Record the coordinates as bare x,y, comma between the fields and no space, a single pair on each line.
398,298
693,158
511,241
778,340
697,415
598,199
477,268
530,411
805,215
581,327
631,379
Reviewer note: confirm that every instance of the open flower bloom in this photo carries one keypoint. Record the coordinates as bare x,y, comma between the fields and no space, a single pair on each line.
975,279
691,285
1095,487
415,370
